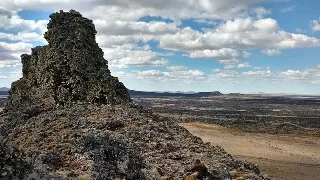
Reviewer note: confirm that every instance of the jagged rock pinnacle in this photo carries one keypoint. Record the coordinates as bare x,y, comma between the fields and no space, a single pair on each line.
70,69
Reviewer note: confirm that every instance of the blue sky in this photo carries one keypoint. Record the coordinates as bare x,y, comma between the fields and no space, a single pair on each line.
243,46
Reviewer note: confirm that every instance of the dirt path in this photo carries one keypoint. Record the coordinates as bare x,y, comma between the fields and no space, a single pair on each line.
289,157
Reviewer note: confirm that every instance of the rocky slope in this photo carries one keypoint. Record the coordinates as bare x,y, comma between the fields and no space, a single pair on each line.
68,118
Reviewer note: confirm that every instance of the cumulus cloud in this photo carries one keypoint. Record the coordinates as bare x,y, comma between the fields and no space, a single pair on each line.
15,22
308,76
121,28
10,53
271,52
221,54
260,12
244,65
228,57
288,9
295,74
181,9
246,54
121,74
236,77
257,73
176,73
242,33
315,25
218,74
122,57
22,37
6,64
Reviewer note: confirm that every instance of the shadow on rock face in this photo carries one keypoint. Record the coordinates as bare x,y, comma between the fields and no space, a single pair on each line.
13,164
112,157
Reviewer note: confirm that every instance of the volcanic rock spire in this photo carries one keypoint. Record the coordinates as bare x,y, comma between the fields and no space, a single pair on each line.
70,69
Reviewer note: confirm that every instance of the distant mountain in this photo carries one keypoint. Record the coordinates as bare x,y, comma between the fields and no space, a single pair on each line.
171,94
4,89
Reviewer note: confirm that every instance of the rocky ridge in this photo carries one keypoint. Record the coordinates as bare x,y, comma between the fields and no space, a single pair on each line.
68,118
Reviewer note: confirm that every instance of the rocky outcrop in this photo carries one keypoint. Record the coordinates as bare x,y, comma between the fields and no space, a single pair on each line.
70,69
13,164
73,120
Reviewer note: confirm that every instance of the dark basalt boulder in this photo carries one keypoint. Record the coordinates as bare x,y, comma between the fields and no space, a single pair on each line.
69,70
13,164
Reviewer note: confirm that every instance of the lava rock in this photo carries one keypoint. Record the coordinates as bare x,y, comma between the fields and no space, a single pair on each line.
70,69
13,164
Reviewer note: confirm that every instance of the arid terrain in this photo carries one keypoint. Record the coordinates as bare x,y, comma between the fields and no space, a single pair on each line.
272,114
279,133
279,156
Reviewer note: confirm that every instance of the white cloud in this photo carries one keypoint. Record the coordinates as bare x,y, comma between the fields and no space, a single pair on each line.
288,9
235,77
177,68
176,73
6,64
19,47
244,65
221,54
122,57
241,33
10,53
315,25
271,52
119,74
295,74
261,12
308,76
228,57
246,54
133,9
22,37
257,73
121,27
151,74
15,22
219,74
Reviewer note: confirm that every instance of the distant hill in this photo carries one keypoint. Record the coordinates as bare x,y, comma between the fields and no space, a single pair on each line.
4,89
171,94
4,92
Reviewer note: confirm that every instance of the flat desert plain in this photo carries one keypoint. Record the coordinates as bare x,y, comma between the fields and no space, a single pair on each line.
280,156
